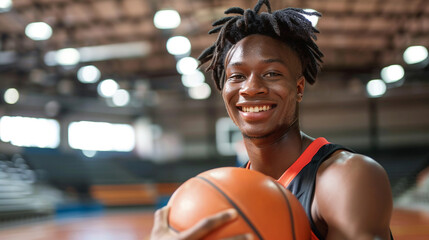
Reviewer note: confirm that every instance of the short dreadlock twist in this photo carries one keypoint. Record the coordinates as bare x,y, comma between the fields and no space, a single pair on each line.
288,25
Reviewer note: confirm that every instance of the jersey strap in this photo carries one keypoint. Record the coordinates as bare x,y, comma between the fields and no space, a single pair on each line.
302,161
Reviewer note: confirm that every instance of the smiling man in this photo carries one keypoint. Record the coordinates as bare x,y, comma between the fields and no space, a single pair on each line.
261,63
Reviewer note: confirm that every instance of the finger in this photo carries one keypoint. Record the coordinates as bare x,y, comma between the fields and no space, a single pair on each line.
206,225
161,217
240,237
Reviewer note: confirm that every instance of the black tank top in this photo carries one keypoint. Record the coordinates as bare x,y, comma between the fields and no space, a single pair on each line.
300,177
303,184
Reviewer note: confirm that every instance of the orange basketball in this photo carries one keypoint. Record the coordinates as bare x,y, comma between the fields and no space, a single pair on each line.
265,208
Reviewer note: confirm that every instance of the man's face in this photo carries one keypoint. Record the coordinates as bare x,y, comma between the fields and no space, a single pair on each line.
263,79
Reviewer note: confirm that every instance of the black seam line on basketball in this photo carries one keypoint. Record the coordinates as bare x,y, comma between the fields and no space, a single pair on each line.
172,228
247,220
290,210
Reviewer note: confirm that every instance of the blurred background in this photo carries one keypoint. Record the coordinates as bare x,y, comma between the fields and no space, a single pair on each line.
103,112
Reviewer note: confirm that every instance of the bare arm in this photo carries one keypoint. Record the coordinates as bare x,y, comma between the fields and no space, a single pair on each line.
161,231
354,199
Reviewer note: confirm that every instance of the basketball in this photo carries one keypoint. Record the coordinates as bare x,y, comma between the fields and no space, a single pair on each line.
265,208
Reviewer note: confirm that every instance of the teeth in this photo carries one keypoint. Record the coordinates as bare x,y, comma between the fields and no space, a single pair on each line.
257,108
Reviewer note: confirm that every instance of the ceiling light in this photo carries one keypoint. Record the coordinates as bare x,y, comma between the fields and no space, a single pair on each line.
38,31
415,54
67,56
312,18
11,96
166,19
114,51
103,52
89,153
178,45
88,74
200,92
52,108
121,98
193,79
187,65
376,88
107,88
5,5
392,73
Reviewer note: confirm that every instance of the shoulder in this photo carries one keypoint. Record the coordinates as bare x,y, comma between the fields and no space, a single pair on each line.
344,164
352,173
353,189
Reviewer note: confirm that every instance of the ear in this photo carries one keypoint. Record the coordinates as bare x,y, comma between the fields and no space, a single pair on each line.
300,86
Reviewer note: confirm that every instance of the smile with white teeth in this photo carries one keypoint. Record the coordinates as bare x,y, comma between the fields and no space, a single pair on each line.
256,109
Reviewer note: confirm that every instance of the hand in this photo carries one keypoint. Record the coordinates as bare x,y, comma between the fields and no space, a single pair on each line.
161,231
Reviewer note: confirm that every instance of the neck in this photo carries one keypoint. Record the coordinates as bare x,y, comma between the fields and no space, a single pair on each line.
272,155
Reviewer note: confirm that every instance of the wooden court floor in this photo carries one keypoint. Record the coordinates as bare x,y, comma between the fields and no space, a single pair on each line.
405,225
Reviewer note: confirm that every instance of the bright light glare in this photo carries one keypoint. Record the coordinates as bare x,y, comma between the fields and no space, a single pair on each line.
88,74
200,92
376,88
5,5
312,18
121,98
104,52
178,45
67,56
166,19
392,73
38,31
30,132
415,54
101,136
187,65
107,88
89,153
11,96
193,79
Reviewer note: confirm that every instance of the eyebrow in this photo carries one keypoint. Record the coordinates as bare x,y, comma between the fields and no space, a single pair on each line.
270,60
273,60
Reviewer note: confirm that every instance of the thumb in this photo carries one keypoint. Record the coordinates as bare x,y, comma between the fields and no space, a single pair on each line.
161,218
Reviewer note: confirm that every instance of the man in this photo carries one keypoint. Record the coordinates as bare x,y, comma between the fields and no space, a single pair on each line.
260,63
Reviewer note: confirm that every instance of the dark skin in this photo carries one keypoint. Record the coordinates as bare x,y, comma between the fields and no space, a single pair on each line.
161,231
264,86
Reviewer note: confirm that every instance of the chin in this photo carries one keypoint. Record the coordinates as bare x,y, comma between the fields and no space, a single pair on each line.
257,135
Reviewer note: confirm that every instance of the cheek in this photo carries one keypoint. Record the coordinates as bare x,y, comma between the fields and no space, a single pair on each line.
228,99
227,94
286,91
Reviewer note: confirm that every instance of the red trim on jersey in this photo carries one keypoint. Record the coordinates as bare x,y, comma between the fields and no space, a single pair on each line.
302,161
313,236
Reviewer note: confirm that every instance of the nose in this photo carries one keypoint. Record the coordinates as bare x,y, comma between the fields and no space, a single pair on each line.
254,85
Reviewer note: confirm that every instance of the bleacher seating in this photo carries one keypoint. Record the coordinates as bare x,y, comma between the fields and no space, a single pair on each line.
20,195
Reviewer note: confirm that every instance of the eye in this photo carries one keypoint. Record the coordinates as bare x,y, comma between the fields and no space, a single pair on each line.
272,74
236,77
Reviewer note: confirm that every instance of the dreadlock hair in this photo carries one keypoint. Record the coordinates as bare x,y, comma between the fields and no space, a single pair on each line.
288,25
